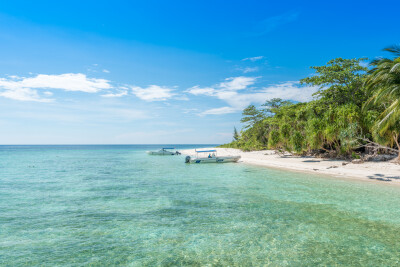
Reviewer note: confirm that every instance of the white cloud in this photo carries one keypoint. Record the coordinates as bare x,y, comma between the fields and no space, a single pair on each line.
219,111
190,110
23,94
48,93
122,93
226,91
253,59
24,89
249,69
237,83
182,98
106,71
153,93
67,82
238,101
287,91
290,91
196,90
230,85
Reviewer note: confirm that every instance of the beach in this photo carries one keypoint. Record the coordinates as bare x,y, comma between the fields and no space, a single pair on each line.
368,171
115,120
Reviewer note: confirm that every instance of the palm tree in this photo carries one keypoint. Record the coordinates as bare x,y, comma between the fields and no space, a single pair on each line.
384,81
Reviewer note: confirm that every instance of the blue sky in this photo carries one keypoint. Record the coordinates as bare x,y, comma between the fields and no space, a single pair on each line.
135,72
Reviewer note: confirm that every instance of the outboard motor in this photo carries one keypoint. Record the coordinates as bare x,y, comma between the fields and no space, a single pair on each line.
187,159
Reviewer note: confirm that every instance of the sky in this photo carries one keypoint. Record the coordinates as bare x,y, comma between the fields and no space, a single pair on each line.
168,72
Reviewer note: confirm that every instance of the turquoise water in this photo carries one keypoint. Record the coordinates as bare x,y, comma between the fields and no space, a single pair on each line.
115,205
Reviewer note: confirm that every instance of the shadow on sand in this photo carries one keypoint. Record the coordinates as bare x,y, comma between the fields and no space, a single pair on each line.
382,177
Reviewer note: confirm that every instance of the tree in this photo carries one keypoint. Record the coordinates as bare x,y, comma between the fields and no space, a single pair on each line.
384,83
251,115
273,104
235,134
340,81
337,121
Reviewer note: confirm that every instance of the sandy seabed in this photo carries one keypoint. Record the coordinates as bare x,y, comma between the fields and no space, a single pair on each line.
368,171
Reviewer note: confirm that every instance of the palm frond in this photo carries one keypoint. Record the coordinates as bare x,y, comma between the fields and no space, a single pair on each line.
395,49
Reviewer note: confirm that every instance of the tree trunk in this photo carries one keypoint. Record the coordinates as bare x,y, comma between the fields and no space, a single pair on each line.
396,139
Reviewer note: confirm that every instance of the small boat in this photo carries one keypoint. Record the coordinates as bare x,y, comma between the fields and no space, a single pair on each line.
163,151
211,158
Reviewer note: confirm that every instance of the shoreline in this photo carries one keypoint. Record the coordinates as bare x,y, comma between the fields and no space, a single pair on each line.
382,172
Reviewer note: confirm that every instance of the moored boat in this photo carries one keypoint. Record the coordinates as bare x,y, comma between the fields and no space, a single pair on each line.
163,151
211,158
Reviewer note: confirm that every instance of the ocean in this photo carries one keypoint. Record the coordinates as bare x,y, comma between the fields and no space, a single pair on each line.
103,205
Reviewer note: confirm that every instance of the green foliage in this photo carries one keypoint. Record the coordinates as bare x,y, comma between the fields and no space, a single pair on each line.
235,134
340,117
384,84
297,140
271,106
251,115
349,138
274,138
339,81
285,130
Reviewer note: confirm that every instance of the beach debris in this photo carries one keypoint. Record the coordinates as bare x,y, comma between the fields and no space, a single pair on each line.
270,153
316,169
330,167
344,163
357,161
381,157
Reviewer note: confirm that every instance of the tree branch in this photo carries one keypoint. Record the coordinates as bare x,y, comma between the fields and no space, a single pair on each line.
377,145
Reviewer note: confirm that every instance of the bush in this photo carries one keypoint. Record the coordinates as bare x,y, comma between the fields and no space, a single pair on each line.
274,138
297,140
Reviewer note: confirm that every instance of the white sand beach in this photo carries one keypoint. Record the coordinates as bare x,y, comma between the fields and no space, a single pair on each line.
369,171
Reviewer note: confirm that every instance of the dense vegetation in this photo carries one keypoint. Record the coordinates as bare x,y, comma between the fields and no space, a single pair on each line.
355,108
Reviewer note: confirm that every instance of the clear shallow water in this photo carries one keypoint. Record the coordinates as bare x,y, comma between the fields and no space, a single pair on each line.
110,205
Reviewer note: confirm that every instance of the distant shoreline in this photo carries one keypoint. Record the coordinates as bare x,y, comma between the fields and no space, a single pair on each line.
382,172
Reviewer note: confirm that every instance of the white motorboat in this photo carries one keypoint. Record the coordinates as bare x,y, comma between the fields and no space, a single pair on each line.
163,151
211,158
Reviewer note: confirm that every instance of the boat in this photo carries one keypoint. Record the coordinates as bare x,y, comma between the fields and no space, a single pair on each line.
211,158
163,151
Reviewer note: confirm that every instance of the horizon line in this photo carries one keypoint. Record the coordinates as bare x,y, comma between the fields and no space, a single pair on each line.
102,144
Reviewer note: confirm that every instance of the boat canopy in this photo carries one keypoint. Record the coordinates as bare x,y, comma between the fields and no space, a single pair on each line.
202,151
168,148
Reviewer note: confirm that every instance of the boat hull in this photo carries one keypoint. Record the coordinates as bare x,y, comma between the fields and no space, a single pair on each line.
215,160
160,153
